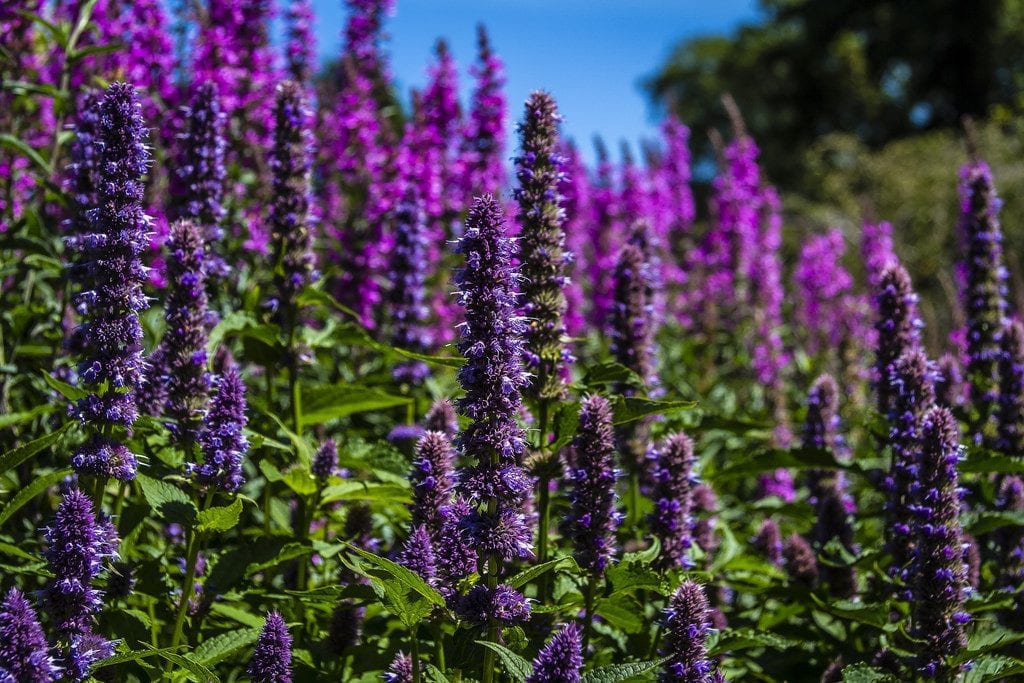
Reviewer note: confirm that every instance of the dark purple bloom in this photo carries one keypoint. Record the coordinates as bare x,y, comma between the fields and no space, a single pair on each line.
877,251
985,297
492,378
704,506
542,256
897,325
406,295
632,329
561,658
346,628
442,418
949,384
687,624
301,49
1011,390
938,574
822,428
83,172
502,604
108,267
432,481
24,652
1010,541
105,458
593,520
85,649
325,461
400,670
222,440
483,147
291,219
184,342
200,174
418,553
272,659
833,525
910,383
768,541
673,480
801,562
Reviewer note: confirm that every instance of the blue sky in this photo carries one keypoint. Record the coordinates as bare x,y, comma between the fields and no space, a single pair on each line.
590,54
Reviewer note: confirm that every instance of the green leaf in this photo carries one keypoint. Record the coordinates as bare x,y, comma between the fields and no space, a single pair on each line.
198,671
632,408
610,372
993,668
621,613
984,461
980,523
775,458
130,656
21,147
35,487
530,573
746,638
323,404
64,389
864,673
365,490
16,456
407,578
435,675
515,666
12,419
92,50
621,672
213,650
217,519
167,500
299,480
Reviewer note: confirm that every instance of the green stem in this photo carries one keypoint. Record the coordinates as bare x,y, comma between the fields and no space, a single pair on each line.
634,502
296,389
191,557
439,638
588,610
415,657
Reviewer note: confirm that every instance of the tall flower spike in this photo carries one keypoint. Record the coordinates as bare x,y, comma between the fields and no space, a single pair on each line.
985,298
673,481
24,652
83,171
184,342
483,141
291,219
492,378
877,251
832,511
911,382
272,659
301,49
108,269
1010,541
1011,390
432,481
593,519
222,440
200,175
418,553
408,282
801,562
687,624
442,418
897,325
561,658
325,461
768,541
938,575
949,384
821,428
400,670
542,246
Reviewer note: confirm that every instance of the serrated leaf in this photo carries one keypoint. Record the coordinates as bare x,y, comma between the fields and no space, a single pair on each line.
130,656
980,523
200,672
299,480
530,573
12,419
407,578
167,500
733,640
993,668
69,392
864,673
16,456
517,668
366,490
213,650
620,613
434,674
218,519
610,372
614,673
326,403
34,488
632,408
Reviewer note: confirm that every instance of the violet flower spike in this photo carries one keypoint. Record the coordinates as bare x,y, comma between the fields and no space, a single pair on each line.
325,460
897,326
1011,390
433,481
483,146
687,624
271,661
673,479
24,652
300,51
400,669
222,441
542,256
406,296
561,658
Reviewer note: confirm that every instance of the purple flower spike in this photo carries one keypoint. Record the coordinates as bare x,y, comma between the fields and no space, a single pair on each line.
200,175
877,251
184,342
1010,541
406,296
822,428
593,519
83,172
949,384
400,670
897,325
442,418
542,247
301,48
418,553
801,562
325,461
24,652
1011,390
272,659
483,147
671,522
687,624
833,524
768,541
222,440
432,481
632,328
291,218
938,574
561,658
503,604
985,298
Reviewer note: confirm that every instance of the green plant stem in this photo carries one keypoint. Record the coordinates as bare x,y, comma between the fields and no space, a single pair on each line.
188,585
544,496
588,609
415,646
296,391
439,637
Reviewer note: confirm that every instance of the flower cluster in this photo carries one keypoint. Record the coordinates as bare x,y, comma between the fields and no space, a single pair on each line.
897,327
24,652
408,268
673,480
222,441
687,624
272,659
561,658
482,153
1011,390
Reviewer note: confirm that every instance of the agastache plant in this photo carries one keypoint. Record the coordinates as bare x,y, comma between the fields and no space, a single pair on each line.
493,377
687,625
184,342
985,297
300,52
110,276
24,652
673,480
897,326
938,575
1011,390
406,295
561,658
222,440
483,140
433,481
272,659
